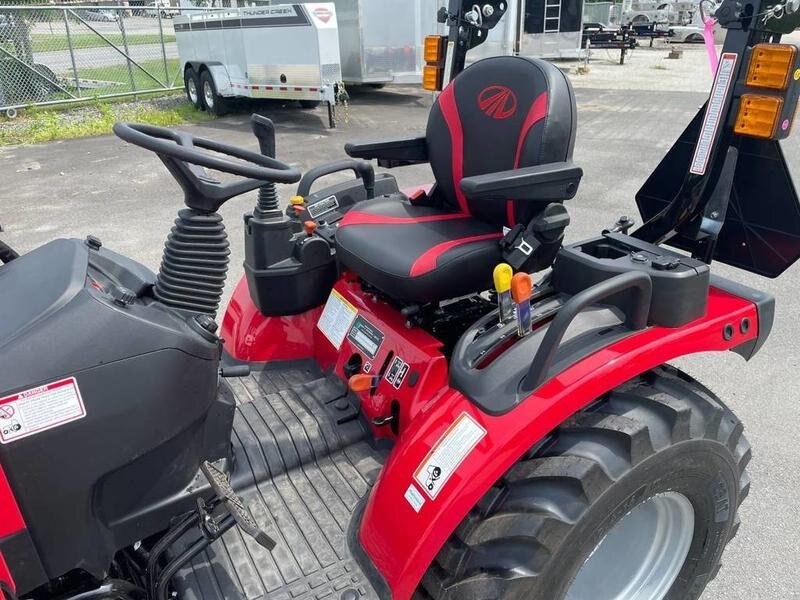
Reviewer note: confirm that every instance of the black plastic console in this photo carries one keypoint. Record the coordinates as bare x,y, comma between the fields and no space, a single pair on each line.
680,283
286,273
331,203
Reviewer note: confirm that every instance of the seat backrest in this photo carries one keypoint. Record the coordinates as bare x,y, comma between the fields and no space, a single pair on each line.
500,113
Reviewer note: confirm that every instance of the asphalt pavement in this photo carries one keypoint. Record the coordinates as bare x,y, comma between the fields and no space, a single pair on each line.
123,195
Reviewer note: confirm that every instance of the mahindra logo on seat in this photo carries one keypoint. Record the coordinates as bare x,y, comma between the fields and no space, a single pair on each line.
497,101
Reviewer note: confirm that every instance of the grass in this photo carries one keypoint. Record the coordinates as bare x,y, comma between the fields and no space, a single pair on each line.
119,73
49,42
47,125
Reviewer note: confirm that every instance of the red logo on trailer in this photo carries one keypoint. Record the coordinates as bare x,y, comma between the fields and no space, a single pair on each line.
497,101
323,14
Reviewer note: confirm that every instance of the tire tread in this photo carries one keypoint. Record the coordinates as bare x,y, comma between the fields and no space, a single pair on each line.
533,507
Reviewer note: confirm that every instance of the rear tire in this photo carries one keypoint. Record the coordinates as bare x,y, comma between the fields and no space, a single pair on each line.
661,438
309,104
191,84
214,103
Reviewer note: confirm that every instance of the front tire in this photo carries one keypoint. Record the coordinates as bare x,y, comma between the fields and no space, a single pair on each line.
659,458
214,103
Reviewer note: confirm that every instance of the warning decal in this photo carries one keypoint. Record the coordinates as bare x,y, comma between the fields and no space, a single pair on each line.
713,113
414,498
448,453
39,409
337,318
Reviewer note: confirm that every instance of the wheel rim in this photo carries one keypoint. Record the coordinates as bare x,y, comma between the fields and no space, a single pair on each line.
642,554
191,87
208,94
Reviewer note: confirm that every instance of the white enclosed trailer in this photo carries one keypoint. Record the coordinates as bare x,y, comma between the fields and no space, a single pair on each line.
288,51
381,41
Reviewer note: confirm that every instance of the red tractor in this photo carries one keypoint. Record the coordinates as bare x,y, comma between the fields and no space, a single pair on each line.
391,407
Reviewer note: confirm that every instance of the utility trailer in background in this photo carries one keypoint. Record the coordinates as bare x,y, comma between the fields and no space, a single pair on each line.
288,51
381,40
536,28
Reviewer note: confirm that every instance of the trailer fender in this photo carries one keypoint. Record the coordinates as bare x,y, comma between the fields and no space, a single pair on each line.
219,73
221,79
417,504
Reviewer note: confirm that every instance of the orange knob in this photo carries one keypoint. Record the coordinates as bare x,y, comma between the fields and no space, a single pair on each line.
521,287
310,227
361,382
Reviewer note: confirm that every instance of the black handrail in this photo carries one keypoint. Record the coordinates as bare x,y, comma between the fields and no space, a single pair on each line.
363,171
641,287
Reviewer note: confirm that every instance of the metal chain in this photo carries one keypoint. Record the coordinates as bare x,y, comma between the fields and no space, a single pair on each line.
343,99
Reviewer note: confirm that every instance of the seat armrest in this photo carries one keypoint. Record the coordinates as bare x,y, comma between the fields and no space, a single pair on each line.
391,153
551,182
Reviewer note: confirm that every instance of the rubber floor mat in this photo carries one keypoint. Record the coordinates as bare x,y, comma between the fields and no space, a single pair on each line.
303,462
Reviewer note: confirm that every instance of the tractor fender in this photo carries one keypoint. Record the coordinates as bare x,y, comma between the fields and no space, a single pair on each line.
404,525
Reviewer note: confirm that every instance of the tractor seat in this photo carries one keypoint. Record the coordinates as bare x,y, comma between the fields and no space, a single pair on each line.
500,114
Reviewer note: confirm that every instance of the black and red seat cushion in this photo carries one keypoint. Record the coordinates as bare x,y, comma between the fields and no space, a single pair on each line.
499,114
417,253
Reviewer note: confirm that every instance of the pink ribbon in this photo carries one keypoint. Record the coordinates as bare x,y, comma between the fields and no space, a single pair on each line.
708,36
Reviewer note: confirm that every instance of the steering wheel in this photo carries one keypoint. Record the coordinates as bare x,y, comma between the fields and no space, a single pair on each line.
184,155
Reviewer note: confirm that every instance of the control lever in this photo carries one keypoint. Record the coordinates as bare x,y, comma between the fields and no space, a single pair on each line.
235,505
268,205
264,130
234,371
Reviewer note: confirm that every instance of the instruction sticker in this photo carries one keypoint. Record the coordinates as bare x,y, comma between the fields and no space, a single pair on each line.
366,337
414,498
337,318
323,207
448,453
39,409
713,115
397,372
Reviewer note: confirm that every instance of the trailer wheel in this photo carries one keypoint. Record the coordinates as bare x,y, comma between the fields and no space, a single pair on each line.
192,85
309,104
634,497
213,102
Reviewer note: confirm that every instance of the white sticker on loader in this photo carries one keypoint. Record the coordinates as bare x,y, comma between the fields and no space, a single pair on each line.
337,318
39,409
448,453
414,498
713,115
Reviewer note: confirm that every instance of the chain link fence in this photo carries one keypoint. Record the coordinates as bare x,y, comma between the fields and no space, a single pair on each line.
69,53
